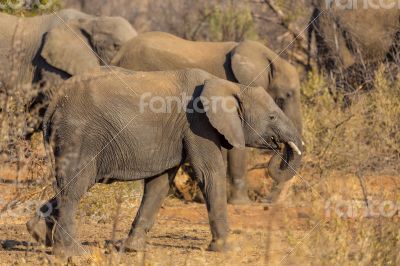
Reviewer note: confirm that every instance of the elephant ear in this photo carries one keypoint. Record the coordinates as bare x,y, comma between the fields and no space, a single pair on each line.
252,64
220,100
66,48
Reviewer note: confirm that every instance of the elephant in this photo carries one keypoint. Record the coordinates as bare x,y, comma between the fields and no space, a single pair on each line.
99,130
47,41
247,62
352,38
84,44
42,49
21,38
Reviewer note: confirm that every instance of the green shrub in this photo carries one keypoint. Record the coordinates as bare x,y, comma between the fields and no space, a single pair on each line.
231,23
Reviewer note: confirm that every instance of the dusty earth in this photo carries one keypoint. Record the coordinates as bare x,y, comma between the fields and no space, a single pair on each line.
261,234
179,237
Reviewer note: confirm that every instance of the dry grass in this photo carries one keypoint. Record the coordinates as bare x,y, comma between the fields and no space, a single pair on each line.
349,148
362,137
344,229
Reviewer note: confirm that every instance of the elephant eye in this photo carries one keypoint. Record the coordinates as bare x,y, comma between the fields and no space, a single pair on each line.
272,117
117,46
289,94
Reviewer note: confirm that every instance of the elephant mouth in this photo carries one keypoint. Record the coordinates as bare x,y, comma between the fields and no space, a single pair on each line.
269,143
274,144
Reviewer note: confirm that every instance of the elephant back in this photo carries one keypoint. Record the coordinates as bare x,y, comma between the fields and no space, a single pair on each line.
158,51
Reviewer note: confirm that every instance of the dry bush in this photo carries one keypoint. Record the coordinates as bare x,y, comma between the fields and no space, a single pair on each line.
345,229
17,122
29,7
361,137
231,23
362,242
346,143
217,20
22,156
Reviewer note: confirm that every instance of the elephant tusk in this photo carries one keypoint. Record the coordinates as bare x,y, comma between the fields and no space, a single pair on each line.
303,143
294,147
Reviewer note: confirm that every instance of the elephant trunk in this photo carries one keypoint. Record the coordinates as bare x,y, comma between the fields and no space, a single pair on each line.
283,165
292,110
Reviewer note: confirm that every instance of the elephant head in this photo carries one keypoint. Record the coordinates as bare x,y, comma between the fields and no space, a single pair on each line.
250,117
69,47
253,64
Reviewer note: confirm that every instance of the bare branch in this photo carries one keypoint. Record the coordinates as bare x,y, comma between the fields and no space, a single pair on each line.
284,22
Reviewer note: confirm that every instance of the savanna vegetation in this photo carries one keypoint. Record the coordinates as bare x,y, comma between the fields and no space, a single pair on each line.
343,207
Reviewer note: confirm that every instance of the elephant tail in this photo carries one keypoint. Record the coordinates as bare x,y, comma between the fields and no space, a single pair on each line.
48,130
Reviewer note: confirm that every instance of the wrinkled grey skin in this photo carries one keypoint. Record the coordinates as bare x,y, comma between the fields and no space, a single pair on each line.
350,41
56,43
247,62
96,132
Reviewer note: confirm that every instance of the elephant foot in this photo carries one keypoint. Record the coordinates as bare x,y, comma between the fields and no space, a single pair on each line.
199,198
219,245
242,200
40,230
64,252
239,197
135,243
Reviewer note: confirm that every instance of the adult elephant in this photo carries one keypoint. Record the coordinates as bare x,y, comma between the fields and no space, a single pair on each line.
353,37
248,63
45,48
58,42
99,130
21,39
84,44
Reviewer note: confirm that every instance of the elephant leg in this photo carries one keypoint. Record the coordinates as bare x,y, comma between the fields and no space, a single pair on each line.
155,190
205,155
237,163
68,197
199,196
42,224
213,188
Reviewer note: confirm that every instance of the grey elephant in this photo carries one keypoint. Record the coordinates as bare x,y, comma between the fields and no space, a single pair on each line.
84,44
247,62
102,130
353,37
56,42
21,39
46,48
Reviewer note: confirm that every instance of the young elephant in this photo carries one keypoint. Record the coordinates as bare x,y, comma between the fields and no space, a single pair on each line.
249,63
101,130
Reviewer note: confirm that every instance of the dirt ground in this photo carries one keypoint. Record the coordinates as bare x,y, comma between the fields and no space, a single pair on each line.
179,237
261,234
